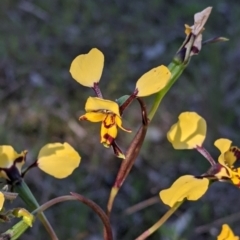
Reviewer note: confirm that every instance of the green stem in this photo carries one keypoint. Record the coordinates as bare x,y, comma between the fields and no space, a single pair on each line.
176,68
160,222
15,232
26,195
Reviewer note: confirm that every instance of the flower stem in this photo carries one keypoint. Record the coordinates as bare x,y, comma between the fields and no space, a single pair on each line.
97,90
160,222
127,164
107,227
26,195
176,68
206,154
127,103
15,232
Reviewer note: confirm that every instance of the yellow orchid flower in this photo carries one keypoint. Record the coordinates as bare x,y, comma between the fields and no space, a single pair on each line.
56,159
229,155
107,112
189,132
227,234
87,68
11,163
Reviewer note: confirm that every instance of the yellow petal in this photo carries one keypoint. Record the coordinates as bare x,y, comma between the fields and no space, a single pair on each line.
108,130
223,172
1,200
227,234
28,218
58,160
99,104
188,29
93,116
184,187
227,152
7,156
189,132
223,144
231,155
87,68
153,81
119,124
235,178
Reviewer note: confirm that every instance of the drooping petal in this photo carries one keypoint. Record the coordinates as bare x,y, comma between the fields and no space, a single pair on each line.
99,104
93,116
153,81
108,130
227,234
58,160
187,187
189,132
119,124
2,199
87,68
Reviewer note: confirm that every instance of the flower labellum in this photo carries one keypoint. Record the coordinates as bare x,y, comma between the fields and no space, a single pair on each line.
107,112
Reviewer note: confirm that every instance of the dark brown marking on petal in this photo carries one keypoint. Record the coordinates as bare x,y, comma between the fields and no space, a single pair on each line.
112,123
236,152
109,139
194,50
215,169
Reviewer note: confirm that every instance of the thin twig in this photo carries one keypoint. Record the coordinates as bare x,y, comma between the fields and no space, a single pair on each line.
205,228
139,206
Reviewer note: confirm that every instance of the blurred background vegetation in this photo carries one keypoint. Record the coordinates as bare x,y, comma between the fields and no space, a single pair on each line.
41,103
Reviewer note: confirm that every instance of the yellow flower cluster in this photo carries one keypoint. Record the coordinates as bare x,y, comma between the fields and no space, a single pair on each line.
87,70
189,133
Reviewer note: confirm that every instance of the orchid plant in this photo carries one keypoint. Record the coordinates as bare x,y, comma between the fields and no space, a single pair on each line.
60,159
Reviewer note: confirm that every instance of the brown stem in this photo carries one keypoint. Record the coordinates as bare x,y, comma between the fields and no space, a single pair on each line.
127,103
28,168
130,157
107,231
97,90
206,154
145,120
